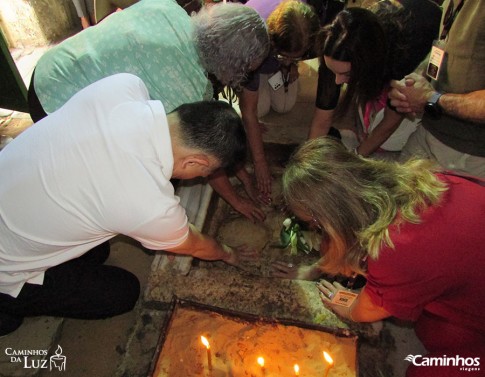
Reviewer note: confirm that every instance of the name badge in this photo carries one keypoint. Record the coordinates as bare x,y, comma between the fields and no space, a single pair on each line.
276,81
436,58
344,298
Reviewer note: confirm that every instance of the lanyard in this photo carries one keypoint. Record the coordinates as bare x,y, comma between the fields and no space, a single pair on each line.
450,16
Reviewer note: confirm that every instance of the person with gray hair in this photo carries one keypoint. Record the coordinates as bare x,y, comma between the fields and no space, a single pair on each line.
172,52
230,47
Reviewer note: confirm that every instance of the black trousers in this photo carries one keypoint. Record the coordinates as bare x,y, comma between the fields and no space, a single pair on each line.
81,288
36,110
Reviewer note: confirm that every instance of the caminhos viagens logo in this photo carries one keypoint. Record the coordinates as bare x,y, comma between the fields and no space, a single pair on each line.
466,364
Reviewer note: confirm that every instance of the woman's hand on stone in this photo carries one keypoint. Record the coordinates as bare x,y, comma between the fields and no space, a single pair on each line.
287,270
327,293
263,177
255,195
249,209
238,255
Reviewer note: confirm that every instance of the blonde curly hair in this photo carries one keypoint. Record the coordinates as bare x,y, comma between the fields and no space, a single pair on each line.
356,199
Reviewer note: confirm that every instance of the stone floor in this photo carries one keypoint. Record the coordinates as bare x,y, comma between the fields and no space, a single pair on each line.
125,345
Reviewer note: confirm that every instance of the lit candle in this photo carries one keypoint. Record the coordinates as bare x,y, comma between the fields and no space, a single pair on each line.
261,364
329,360
205,342
297,369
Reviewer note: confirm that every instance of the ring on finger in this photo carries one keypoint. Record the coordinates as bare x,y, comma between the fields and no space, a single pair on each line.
290,265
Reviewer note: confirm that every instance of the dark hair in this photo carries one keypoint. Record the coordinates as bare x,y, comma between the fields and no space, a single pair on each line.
411,27
357,36
395,21
384,42
215,128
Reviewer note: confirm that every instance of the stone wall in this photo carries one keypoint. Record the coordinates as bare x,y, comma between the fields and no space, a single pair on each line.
32,23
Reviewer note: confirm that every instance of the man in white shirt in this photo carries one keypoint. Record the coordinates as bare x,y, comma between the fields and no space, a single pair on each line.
100,166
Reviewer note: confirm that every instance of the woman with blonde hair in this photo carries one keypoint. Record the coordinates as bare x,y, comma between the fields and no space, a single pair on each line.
415,233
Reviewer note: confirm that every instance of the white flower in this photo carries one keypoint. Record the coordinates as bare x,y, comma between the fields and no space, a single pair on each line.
287,223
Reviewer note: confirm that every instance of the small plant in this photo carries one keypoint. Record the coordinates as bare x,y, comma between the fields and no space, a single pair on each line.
291,236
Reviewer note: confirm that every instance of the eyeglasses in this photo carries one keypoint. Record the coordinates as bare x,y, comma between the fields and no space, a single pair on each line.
314,221
284,58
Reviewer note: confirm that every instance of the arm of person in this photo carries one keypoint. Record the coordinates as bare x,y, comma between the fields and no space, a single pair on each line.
326,101
361,310
364,310
205,247
247,181
321,122
389,123
411,94
219,181
248,103
469,106
285,270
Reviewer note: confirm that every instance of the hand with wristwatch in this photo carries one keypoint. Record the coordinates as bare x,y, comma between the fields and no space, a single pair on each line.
432,106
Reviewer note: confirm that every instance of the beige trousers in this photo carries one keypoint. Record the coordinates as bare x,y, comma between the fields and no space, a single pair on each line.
422,144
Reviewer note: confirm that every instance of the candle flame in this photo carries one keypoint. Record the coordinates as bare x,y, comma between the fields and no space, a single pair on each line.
297,370
205,342
261,361
327,358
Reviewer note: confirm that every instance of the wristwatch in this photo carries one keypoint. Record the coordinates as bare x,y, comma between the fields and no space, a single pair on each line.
432,107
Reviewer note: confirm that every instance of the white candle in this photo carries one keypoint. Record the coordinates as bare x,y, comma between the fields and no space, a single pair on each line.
329,360
261,364
205,342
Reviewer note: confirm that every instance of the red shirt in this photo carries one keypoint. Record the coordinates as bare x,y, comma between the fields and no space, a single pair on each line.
435,273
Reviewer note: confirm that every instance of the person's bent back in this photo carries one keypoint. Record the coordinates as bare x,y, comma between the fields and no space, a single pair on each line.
157,41
100,166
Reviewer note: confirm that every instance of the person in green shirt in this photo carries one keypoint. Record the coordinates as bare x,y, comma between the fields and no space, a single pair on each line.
156,40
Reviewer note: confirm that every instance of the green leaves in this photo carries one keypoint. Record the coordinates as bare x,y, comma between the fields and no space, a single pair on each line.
291,237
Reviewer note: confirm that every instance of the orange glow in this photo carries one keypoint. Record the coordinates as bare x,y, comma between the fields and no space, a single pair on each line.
327,357
261,361
205,342
297,370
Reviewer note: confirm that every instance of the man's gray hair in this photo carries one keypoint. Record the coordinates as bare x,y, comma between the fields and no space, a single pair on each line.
231,39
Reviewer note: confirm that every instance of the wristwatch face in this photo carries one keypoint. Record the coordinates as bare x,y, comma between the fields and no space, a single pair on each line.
432,108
